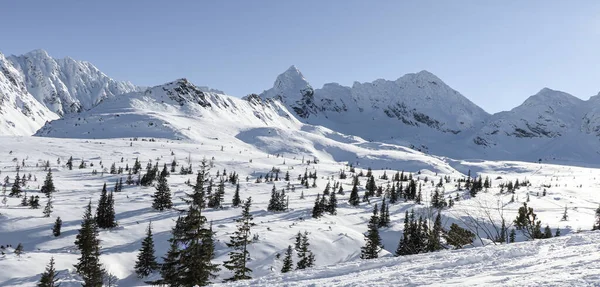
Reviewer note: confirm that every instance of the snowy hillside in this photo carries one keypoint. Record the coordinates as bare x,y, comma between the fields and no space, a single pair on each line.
564,261
20,112
65,85
334,239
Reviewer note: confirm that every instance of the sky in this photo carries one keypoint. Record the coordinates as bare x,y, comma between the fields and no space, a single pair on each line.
496,53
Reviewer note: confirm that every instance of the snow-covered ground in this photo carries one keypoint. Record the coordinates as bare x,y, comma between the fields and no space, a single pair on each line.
335,240
571,260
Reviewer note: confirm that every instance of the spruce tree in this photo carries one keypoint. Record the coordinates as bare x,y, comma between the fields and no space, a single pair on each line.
48,207
146,261
372,239
511,237
332,204
317,210
48,278
434,244
547,232
48,187
354,200
16,187
56,227
195,266
87,242
19,249
383,215
287,260
169,268
597,221
239,256
307,258
236,201
162,196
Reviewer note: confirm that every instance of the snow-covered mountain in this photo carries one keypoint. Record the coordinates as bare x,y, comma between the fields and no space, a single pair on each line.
413,100
20,112
65,85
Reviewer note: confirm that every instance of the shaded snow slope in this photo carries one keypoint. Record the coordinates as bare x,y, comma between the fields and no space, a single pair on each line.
65,85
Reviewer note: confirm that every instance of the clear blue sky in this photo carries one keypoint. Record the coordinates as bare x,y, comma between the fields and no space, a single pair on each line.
496,53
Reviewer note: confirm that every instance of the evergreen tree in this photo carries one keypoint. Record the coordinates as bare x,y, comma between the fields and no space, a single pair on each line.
307,258
105,214
168,269
597,222
433,243
162,196
287,260
48,278
372,238
557,234
195,266
511,237
25,200
318,208
236,196
547,232
239,257
70,163
34,202
56,227
332,204
48,187
87,242
354,199
458,237
146,261
48,207
16,187
383,216
527,222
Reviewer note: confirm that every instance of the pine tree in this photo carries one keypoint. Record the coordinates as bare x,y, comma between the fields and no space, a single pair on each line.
354,200
332,204
236,196
287,260
557,234
16,187
48,278
87,242
34,202
547,232
48,187
307,258
48,207
372,238
162,196
105,214
434,244
169,268
25,200
239,257
597,223
195,266
511,237
70,163
458,237
383,215
146,261
56,227
317,210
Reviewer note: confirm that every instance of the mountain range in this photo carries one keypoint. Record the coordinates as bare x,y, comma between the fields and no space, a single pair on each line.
68,98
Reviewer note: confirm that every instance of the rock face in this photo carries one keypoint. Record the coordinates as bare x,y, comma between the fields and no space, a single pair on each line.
65,85
20,112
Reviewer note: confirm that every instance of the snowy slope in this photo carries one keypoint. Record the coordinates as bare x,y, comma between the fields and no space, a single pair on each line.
335,240
20,112
66,85
565,261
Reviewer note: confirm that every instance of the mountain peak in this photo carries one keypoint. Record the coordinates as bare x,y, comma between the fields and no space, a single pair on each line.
547,96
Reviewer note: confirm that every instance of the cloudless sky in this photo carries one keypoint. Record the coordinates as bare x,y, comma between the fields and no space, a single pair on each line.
496,53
